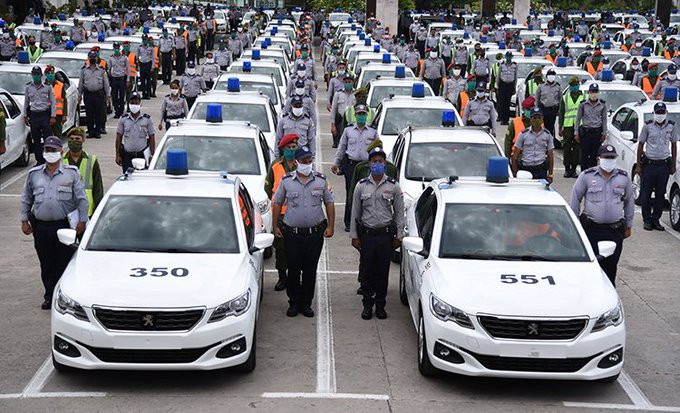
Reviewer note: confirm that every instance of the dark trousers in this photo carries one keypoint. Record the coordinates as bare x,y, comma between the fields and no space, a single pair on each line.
538,171
435,84
608,264
52,254
128,157
190,101
94,110
503,96
166,67
118,85
571,149
40,129
375,255
192,52
145,76
154,81
302,255
447,62
180,62
338,130
420,45
58,126
348,171
654,179
590,144
549,116
210,40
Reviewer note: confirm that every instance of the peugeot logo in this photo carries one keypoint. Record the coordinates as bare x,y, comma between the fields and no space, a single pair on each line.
148,320
532,329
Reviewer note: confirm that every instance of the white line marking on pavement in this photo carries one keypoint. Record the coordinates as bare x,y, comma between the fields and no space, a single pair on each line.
39,378
669,230
613,406
632,390
318,272
355,396
15,178
10,396
10,195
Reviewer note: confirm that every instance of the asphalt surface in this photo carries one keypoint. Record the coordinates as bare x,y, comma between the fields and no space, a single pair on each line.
335,362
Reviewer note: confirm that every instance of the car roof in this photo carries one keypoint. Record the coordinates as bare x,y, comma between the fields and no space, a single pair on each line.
246,77
221,96
610,85
648,106
227,129
157,183
63,54
517,191
392,81
427,102
14,67
427,134
88,46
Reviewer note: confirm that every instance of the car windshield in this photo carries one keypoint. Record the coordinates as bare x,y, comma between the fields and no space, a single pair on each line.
15,82
210,153
246,112
143,223
429,161
267,89
524,68
563,78
338,17
381,92
397,119
259,70
616,98
369,75
72,67
511,232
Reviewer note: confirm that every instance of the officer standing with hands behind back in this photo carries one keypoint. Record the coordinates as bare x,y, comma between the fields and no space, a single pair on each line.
534,149
134,134
93,87
590,129
40,111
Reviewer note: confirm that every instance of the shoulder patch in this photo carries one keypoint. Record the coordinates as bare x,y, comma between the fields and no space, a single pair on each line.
650,122
288,175
167,96
391,180
603,102
35,168
364,180
146,115
126,116
73,168
622,172
672,122
320,175
590,170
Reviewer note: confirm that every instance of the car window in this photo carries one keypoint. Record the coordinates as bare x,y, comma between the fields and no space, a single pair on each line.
212,153
246,112
428,161
15,82
425,216
397,119
71,66
620,117
246,214
11,106
265,150
632,124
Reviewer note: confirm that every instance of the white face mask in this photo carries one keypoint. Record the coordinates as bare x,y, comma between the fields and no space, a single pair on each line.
52,157
634,67
672,76
456,72
433,55
210,60
304,168
191,71
659,117
481,95
550,78
607,164
301,73
298,111
300,91
135,108
174,92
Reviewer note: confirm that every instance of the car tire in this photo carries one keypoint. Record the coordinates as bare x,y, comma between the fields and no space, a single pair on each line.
268,252
610,379
403,297
674,209
249,365
424,365
62,368
25,157
636,179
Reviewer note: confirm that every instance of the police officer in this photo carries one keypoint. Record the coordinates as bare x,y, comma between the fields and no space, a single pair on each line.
307,60
534,149
656,157
481,67
455,84
88,166
192,39
609,206
52,192
307,102
94,88
174,106
590,129
209,70
671,80
40,109
567,116
78,32
412,58
166,47
278,169
480,111
191,84
341,101
433,71
147,60
235,46
461,56
507,83
180,52
301,74
223,56
119,70
376,230
352,150
8,48
134,134
299,122
548,97
336,83
303,228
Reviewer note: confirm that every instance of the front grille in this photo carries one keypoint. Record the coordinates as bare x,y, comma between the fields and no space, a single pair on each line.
544,365
111,355
533,329
152,320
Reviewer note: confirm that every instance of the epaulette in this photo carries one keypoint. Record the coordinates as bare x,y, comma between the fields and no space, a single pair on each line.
36,168
364,179
650,121
289,175
672,122
125,116
391,180
168,95
146,115
320,175
284,115
73,168
603,102
590,170
622,172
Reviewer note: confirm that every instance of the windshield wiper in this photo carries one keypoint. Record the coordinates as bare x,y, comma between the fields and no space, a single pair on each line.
524,258
468,256
122,249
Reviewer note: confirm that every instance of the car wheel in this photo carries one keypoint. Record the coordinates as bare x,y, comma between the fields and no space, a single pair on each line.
25,157
424,365
402,285
62,368
249,364
268,252
610,379
674,210
637,182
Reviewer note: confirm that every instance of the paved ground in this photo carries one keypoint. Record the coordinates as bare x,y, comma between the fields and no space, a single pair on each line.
335,362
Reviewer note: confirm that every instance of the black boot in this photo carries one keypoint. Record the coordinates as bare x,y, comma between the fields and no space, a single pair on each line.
281,284
380,312
367,314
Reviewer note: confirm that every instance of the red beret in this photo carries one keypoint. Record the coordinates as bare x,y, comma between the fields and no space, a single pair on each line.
288,138
528,103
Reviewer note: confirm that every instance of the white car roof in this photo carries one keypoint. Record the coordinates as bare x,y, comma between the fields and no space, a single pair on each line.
427,102
648,106
246,77
516,191
64,55
157,183
227,129
391,81
459,134
88,46
610,85
221,96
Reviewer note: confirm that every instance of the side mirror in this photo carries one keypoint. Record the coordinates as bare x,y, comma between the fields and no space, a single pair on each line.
67,236
606,249
262,241
618,76
413,244
627,135
522,174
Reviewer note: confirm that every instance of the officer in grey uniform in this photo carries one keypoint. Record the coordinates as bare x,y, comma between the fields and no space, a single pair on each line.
307,101
534,149
191,84
507,83
353,149
480,111
433,71
590,129
94,89
78,33
307,60
341,101
119,70
548,96
299,122
134,134
174,106
336,83
8,48
301,74
455,84
235,46
147,60
40,111
461,56
52,191
609,206
376,231
180,52
412,58
656,157
166,48
671,80
209,70
304,226
223,56
481,67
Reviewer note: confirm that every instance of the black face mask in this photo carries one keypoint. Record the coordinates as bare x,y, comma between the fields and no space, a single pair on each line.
93,60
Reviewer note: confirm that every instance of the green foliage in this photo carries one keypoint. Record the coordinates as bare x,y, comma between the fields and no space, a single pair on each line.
407,5
338,4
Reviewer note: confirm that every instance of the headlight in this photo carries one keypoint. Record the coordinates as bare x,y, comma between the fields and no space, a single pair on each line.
264,206
446,312
67,305
235,307
613,317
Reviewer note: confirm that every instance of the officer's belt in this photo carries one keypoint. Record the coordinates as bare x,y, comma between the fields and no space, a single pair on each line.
590,224
390,229
306,230
656,161
56,223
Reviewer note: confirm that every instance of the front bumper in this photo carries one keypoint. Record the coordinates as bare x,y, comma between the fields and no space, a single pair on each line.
482,355
204,347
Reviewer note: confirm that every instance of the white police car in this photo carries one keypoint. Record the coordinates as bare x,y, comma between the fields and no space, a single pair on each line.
381,89
254,83
501,281
17,134
382,71
262,67
168,276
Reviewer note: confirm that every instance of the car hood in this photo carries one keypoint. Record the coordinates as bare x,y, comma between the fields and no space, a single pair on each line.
255,186
104,278
20,100
475,286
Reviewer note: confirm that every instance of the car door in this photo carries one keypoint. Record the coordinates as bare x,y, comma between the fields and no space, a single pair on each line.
424,220
15,130
628,150
616,125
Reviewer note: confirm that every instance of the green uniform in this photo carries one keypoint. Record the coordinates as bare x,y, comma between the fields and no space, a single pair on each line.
567,116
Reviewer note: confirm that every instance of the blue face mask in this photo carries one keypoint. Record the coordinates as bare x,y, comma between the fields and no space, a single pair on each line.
377,168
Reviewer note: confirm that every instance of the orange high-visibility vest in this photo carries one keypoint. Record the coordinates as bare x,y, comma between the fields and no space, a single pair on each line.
102,63
591,69
157,65
279,173
668,55
463,101
624,48
550,58
58,89
133,65
518,124
647,86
